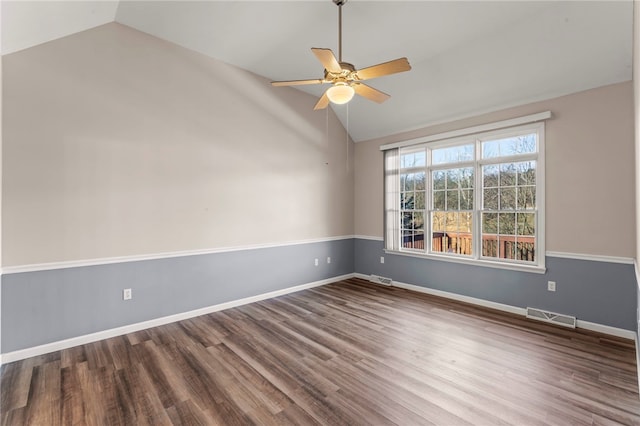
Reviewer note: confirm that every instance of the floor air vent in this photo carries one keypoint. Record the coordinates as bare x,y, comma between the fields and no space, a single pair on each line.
380,280
552,317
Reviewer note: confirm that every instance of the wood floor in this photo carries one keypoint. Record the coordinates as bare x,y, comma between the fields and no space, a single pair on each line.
347,353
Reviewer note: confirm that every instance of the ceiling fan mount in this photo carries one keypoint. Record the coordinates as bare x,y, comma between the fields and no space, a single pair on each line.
345,79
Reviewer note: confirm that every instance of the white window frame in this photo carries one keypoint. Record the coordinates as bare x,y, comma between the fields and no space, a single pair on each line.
477,135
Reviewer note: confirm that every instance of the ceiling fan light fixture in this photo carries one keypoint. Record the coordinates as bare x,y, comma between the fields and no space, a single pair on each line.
340,93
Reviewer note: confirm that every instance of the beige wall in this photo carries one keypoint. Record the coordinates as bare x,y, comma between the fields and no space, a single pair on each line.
590,200
117,143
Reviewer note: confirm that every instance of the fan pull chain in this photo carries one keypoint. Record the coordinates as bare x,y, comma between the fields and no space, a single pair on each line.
347,137
327,133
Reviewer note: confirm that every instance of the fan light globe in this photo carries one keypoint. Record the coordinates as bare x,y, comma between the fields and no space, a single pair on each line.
340,93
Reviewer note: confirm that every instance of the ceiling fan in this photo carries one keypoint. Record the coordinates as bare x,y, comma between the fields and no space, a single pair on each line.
344,78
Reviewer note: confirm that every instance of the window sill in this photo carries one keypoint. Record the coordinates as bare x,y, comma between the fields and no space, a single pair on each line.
536,269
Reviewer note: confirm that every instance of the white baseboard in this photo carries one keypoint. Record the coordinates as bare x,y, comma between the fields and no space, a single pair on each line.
605,329
612,331
119,331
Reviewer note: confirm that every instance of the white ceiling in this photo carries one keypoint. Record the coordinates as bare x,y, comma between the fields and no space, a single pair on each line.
467,57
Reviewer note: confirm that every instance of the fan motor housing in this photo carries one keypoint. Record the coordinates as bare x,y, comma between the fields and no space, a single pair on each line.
348,73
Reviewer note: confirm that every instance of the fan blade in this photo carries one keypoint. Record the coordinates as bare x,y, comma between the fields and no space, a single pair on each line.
386,68
370,93
327,59
296,82
323,102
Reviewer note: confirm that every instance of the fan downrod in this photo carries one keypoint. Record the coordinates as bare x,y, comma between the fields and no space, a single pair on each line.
339,3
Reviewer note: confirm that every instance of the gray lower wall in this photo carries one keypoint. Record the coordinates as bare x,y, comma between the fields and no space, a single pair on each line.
48,306
638,310
599,292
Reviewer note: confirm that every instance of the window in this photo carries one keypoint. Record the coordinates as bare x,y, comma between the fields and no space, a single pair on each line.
476,199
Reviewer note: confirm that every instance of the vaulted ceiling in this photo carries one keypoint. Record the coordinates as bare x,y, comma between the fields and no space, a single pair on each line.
467,57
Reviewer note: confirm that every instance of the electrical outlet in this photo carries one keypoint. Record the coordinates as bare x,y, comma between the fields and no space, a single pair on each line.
127,294
328,259
317,262
551,286
381,259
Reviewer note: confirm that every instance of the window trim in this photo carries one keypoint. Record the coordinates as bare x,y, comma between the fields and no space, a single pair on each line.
504,124
474,262
490,132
